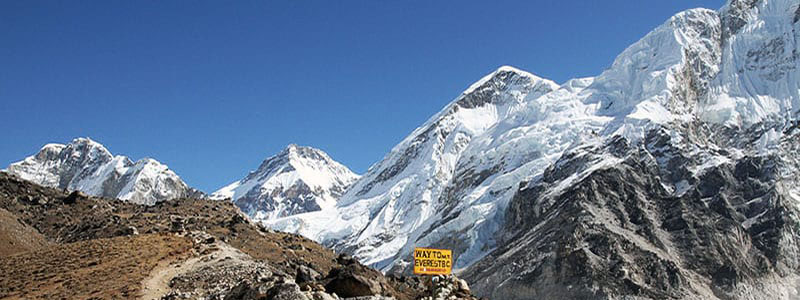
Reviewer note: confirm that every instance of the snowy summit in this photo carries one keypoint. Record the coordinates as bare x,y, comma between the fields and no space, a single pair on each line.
296,180
86,165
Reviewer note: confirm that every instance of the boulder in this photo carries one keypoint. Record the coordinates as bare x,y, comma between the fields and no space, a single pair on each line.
131,230
323,296
462,287
286,291
74,196
177,223
347,284
353,279
306,274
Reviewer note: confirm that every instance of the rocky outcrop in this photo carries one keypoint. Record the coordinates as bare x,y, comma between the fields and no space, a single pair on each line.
355,280
448,287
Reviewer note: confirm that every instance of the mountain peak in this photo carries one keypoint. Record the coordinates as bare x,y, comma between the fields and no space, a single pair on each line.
306,152
86,165
511,69
507,75
87,142
292,147
53,147
83,147
296,180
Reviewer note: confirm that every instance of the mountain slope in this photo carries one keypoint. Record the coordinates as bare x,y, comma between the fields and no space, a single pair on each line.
87,166
686,132
682,194
178,249
297,180
382,214
652,220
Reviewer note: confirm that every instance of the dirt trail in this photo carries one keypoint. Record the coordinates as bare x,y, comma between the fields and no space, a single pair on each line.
156,285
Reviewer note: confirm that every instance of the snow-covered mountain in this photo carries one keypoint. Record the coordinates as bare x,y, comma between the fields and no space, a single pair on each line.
87,166
400,198
297,180
673,174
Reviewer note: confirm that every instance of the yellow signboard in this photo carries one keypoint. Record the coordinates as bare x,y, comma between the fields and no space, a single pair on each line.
432,261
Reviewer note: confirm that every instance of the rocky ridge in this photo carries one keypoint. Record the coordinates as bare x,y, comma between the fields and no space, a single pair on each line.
87,166
296,180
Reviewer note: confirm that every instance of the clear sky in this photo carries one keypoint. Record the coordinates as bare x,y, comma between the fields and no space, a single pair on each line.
211,88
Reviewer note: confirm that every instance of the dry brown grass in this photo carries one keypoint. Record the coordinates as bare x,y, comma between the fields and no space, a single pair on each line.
16,236
96,269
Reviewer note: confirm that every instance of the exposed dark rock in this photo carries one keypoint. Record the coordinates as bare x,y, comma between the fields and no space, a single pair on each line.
448,287
306,274
354,280
74,197
796,15
286,291
489,92
248,291
735,17
620,231
177,223
131,230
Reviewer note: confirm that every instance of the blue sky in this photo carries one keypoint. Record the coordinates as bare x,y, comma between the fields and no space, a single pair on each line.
212,88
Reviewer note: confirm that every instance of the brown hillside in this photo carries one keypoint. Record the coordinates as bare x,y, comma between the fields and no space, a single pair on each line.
72,246
16,236
100,268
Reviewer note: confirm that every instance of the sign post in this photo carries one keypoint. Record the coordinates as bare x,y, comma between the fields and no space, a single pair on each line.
432,262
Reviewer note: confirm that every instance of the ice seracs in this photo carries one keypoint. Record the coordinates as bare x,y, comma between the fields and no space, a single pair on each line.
86,165
297,180
758,78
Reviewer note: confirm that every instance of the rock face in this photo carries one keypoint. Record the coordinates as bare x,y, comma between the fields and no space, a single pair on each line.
673,174
85,165
297,180
726,231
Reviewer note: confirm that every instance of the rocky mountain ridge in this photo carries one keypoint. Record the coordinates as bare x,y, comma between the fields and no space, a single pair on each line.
86,165
296,180
397,199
